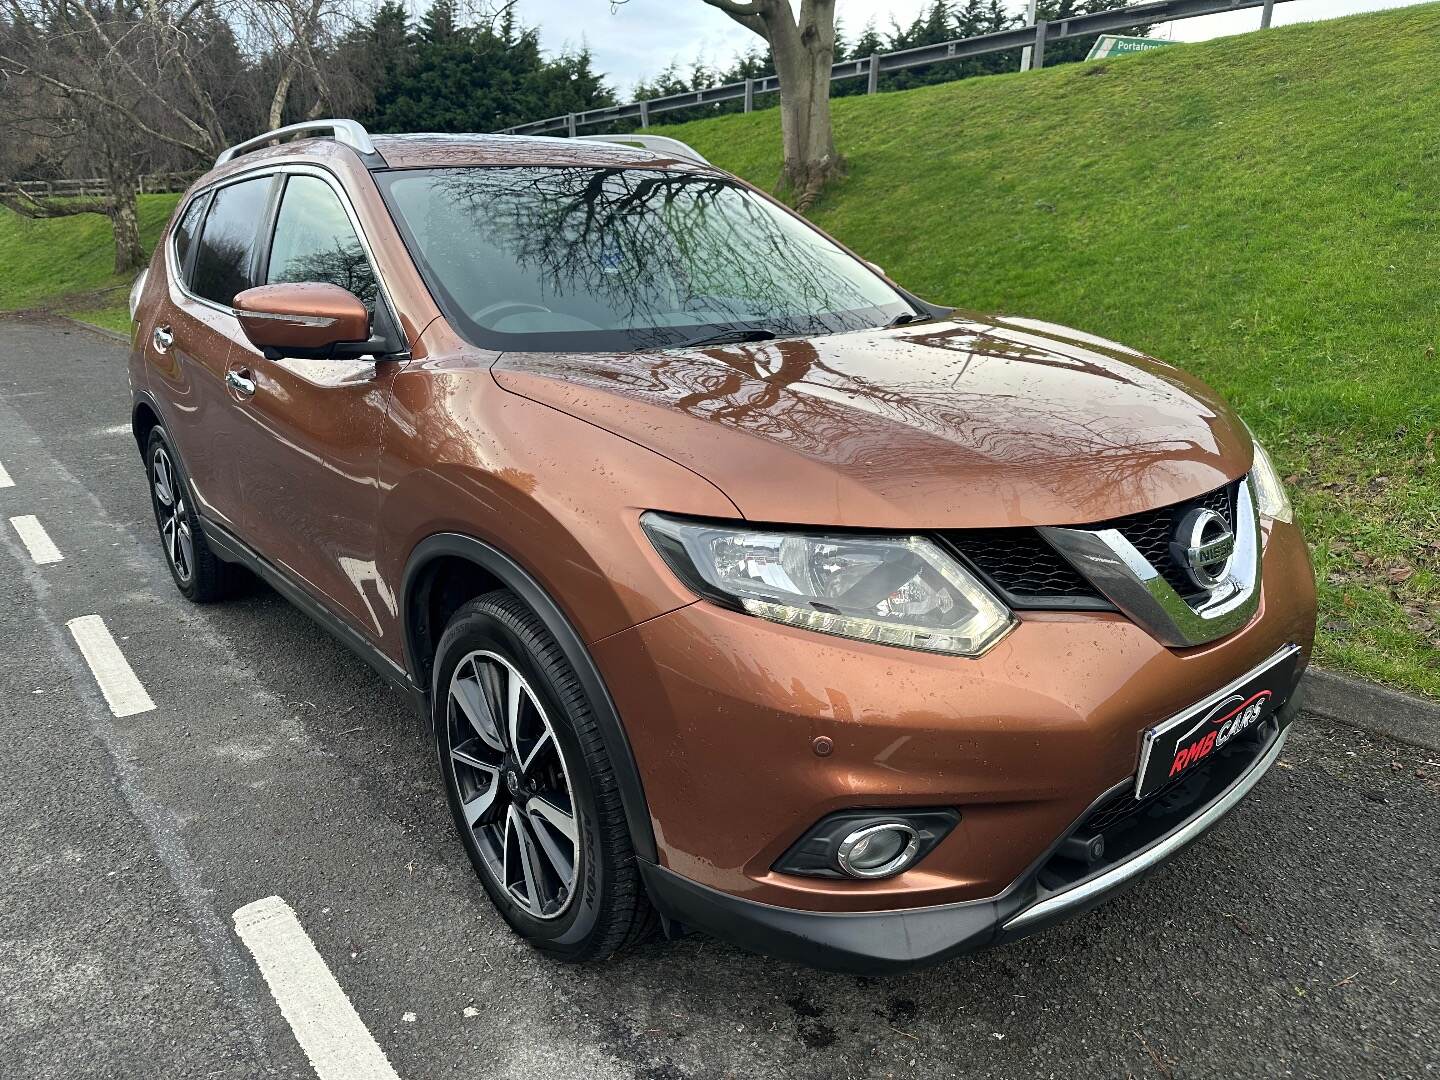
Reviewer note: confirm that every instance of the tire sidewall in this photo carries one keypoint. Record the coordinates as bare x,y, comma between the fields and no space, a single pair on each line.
485,627
159,438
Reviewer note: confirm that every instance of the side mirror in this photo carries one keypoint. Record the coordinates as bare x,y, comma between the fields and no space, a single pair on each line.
308,319
876,267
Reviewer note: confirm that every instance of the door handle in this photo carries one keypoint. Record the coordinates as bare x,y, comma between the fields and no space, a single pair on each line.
163,338
240,382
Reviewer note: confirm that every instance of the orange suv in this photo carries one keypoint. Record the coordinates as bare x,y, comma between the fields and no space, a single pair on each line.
745,591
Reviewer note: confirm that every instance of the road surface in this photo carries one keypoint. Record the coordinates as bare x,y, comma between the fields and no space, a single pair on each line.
1301,937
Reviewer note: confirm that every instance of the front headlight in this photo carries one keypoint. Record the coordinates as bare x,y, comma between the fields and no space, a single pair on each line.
1269,490
901,590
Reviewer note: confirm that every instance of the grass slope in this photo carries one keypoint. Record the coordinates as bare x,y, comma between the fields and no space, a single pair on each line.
65,264
1262,210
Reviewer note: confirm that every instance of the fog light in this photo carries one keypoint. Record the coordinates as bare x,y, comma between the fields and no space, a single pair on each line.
867,843
878,851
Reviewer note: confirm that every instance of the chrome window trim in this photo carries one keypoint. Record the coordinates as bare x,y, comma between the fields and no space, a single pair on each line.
272,169
1142,861
1127,579
171,258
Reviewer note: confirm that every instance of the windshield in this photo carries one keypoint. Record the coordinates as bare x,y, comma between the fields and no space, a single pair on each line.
604,259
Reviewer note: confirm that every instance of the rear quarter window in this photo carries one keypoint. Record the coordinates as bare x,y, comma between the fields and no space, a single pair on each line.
186,230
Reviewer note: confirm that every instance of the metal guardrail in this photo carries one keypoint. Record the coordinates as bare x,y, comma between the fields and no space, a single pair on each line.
153,184
872,67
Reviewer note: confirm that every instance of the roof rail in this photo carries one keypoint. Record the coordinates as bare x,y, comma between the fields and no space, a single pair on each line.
659,143
342,131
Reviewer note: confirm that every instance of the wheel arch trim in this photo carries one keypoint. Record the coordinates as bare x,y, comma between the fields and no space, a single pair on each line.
517,579
143,399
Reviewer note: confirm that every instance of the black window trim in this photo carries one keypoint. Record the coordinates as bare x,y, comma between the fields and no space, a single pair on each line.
386,321
260,257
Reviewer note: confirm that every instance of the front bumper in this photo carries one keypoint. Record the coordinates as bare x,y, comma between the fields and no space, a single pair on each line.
888,942
747,732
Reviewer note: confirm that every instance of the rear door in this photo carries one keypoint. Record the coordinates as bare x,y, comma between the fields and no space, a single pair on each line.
308,438
211,256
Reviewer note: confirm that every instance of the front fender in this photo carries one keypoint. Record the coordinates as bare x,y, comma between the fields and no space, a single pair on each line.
517,580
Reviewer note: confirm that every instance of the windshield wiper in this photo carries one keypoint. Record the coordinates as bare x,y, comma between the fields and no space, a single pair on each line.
906,318
729,337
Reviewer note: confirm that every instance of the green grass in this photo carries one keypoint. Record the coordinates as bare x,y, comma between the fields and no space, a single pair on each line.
66,264
1263,210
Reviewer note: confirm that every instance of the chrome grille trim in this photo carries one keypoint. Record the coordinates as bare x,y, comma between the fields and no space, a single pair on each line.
1106,559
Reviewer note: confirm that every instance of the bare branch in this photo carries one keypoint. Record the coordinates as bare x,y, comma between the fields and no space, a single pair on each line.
26,205
111,104
144,84
185,16
748,15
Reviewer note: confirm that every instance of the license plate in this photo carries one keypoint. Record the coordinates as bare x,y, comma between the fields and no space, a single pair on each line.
1184,741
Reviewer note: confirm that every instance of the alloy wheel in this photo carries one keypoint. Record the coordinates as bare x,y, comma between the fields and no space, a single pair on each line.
173,515
513,783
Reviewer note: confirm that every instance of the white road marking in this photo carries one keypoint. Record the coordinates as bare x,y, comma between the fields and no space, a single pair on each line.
326,1025
118,429
5,480
37,541
108,664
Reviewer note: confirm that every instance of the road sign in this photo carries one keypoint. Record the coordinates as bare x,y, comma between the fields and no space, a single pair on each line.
1107,45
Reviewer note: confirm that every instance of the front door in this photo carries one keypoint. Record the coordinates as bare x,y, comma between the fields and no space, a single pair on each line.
308,435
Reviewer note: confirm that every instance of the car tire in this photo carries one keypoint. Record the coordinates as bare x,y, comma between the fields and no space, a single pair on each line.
504,768
199,574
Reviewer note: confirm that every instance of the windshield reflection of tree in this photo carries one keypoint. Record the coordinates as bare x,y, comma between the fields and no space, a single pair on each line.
652,251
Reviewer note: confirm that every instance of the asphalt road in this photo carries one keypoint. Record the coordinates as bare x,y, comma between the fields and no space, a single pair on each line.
1298,938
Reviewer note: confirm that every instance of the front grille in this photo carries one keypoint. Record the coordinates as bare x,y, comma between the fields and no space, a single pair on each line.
1152,530
1122,806
1030,573
1129,826
1022,563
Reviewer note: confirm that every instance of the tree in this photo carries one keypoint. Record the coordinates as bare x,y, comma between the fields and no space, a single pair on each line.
460,77
374,54
67,67
802,46
118,86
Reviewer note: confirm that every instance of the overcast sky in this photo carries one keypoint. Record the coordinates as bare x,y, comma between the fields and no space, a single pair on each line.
638,38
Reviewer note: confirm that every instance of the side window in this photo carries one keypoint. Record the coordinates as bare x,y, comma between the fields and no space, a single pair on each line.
185,231
314,241
227,242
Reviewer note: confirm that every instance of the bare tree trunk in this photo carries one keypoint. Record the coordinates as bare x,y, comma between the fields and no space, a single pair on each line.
282,91
125,221
804,51
119,208
811,160
304,23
